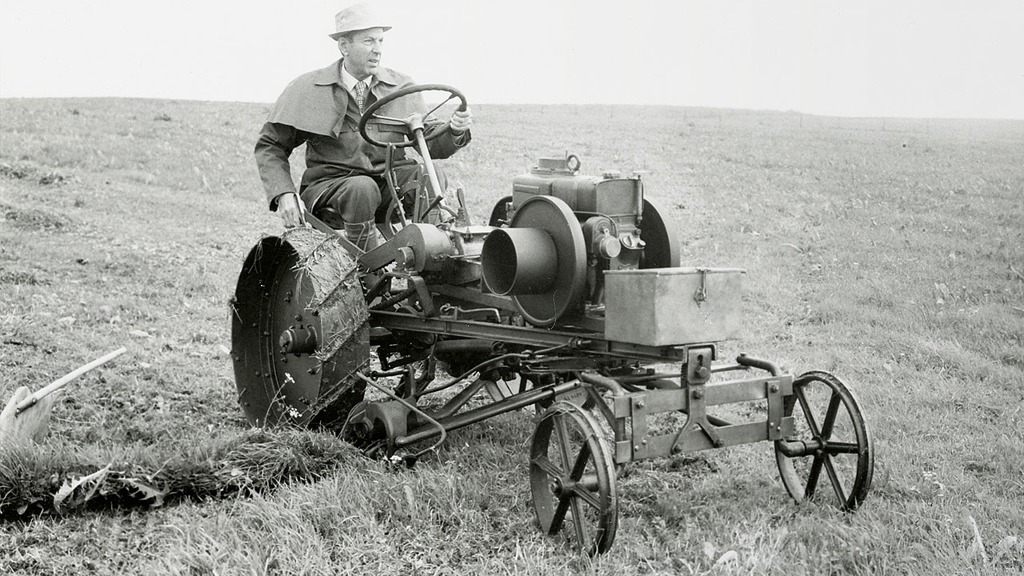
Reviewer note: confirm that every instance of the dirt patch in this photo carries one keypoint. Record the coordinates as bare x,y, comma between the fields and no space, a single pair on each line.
25,173
19,277
15,172
35,219
1014,359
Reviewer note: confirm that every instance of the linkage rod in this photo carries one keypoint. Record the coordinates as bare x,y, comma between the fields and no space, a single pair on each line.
485,412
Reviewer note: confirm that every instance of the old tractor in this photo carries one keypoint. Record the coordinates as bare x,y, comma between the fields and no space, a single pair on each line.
571,300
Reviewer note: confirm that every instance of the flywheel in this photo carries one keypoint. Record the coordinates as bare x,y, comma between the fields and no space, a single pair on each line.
299,331
658,233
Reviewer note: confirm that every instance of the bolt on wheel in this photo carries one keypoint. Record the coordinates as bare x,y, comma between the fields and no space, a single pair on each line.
830,457
572,479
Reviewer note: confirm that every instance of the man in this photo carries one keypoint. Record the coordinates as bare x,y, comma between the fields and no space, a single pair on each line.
343,181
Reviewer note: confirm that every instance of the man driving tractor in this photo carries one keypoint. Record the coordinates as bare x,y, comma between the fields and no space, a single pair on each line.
344,177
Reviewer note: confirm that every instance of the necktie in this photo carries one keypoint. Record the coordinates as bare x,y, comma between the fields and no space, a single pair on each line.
360,94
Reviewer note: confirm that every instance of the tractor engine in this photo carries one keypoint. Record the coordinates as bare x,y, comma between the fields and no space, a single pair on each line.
562,231
547,245
609,207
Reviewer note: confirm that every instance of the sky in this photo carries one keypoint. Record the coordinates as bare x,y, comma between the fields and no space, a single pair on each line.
888,58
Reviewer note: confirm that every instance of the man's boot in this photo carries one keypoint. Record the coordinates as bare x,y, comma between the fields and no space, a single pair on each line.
362,234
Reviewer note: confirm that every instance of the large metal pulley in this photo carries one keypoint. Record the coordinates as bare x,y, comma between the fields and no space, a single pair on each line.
540,260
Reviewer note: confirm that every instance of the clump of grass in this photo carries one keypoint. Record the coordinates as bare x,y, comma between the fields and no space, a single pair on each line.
257,461
35,218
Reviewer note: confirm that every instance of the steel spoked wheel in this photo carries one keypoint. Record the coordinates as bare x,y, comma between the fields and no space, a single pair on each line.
572,479
830,457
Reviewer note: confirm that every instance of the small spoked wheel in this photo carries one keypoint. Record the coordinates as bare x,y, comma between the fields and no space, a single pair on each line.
830,457
572,479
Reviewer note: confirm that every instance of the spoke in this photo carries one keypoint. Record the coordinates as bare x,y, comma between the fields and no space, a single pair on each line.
388,118
559,516
577,520
587,496
842,448
548,468
830,416
812,477
581,462
449,99
808,413
563,439
837,485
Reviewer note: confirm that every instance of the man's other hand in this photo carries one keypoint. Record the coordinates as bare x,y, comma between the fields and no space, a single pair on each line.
461,121
291,208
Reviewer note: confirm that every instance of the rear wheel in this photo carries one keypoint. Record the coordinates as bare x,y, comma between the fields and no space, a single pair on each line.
299,331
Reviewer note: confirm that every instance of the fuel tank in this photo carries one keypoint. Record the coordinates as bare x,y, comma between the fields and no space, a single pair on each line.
611,195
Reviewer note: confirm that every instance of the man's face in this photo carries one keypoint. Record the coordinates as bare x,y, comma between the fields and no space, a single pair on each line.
362,51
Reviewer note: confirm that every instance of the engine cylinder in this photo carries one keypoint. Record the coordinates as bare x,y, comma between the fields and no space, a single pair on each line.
519,261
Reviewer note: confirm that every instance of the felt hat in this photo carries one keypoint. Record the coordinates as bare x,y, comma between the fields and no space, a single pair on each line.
357,17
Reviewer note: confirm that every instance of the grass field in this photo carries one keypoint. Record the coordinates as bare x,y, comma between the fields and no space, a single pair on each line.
890,252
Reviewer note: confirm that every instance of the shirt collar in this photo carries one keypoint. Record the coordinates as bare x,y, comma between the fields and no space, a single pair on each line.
349,81
335,73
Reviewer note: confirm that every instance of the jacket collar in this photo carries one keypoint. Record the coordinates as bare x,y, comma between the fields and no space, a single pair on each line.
332,75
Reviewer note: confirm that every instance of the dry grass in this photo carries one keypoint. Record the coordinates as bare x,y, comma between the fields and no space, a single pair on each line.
889,252
57,483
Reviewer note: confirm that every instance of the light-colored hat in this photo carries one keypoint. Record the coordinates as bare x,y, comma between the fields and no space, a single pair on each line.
357,17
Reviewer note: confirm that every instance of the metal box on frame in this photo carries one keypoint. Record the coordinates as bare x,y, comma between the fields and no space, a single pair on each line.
673,306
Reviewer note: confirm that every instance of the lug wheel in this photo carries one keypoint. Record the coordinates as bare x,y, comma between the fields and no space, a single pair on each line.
572,479
830,458
299,331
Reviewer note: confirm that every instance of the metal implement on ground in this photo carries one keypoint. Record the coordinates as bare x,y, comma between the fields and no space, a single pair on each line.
571,299
26,416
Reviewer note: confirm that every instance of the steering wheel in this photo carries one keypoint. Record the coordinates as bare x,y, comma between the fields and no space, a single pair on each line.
413,122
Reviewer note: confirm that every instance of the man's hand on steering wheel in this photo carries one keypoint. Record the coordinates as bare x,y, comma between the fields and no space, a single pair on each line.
461,121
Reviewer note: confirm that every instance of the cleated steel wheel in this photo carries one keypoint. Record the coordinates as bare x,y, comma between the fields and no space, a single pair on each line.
830,458
572,479
299,331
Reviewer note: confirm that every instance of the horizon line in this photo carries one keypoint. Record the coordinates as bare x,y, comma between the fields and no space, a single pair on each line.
567,104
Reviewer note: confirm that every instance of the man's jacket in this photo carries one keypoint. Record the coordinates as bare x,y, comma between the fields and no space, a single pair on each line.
316,109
